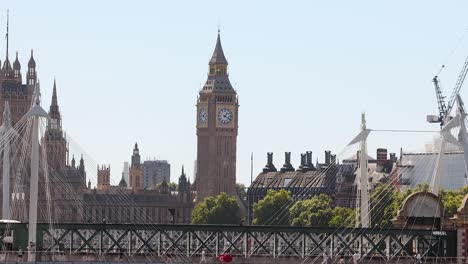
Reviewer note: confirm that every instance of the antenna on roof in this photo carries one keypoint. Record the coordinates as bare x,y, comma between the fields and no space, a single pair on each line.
219,25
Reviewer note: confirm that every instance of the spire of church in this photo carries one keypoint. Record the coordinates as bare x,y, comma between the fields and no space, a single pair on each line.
122,182
182,182
54,111
31,76
7,31
16,64
218,54
7,70
54,94
32,62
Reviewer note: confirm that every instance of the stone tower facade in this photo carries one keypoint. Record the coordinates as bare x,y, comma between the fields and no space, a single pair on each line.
136,170
18,94
103,177
217,126
56,143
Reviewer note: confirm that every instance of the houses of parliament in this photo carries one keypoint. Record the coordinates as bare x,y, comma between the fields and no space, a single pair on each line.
65,191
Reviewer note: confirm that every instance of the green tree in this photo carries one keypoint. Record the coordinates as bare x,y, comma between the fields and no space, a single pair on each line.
342,217
172,186
382,204
316,211
272,209
452,200
222,209
386,200
241,190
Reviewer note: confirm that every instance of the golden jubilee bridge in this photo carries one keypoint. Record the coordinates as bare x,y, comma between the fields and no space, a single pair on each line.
420,232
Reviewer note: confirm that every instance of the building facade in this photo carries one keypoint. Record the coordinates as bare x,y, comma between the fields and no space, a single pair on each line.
303,183
155,172
217,127
64,195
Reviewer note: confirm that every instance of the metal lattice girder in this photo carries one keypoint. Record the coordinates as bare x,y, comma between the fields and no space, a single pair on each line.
241,241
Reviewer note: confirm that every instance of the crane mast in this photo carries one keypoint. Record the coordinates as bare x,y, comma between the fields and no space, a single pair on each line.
445,109
440,100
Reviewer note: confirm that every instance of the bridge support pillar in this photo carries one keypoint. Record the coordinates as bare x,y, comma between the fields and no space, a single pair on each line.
388,247
159,243
189,242
217,244
246,245
304,245
275,244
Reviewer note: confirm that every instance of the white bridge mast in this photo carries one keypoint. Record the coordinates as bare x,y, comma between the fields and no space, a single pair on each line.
35,113
363,218
363,178
4,130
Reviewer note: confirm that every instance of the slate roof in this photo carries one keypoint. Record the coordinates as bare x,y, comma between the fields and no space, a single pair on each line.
127,198
218,84
218,54
291,179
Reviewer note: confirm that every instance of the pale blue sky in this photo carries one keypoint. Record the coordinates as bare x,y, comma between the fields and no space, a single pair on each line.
304,71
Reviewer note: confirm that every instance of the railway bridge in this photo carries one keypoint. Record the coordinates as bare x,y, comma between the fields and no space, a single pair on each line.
152,243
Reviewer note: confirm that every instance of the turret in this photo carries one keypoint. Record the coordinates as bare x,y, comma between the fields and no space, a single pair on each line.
183,188
55,121
17,69
7,70
103,177
123,183
31,76
82,167
136,156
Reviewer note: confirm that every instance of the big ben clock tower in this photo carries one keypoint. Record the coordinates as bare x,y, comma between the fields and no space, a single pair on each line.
217,123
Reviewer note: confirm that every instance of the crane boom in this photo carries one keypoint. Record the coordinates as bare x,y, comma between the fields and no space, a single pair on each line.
458,86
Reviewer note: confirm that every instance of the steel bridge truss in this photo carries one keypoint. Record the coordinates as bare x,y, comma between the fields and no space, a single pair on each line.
243,241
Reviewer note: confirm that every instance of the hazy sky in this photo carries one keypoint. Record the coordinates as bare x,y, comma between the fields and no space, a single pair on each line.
130,72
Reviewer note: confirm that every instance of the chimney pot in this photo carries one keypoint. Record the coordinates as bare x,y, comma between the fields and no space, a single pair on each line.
303,159
270,158
287,158
327,156
309,157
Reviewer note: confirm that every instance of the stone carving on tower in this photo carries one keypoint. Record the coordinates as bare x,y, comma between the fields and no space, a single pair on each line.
217,126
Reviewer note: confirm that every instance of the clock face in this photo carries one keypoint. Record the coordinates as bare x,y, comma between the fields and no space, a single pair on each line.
203,115
225,116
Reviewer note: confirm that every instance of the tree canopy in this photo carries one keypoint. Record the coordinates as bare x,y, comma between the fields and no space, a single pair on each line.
452,200
273,208
316,211
385,201
222,209
342,217
241,190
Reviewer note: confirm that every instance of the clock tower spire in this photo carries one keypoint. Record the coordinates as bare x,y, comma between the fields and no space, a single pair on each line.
217,125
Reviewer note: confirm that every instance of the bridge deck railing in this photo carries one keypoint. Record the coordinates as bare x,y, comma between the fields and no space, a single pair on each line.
243,241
